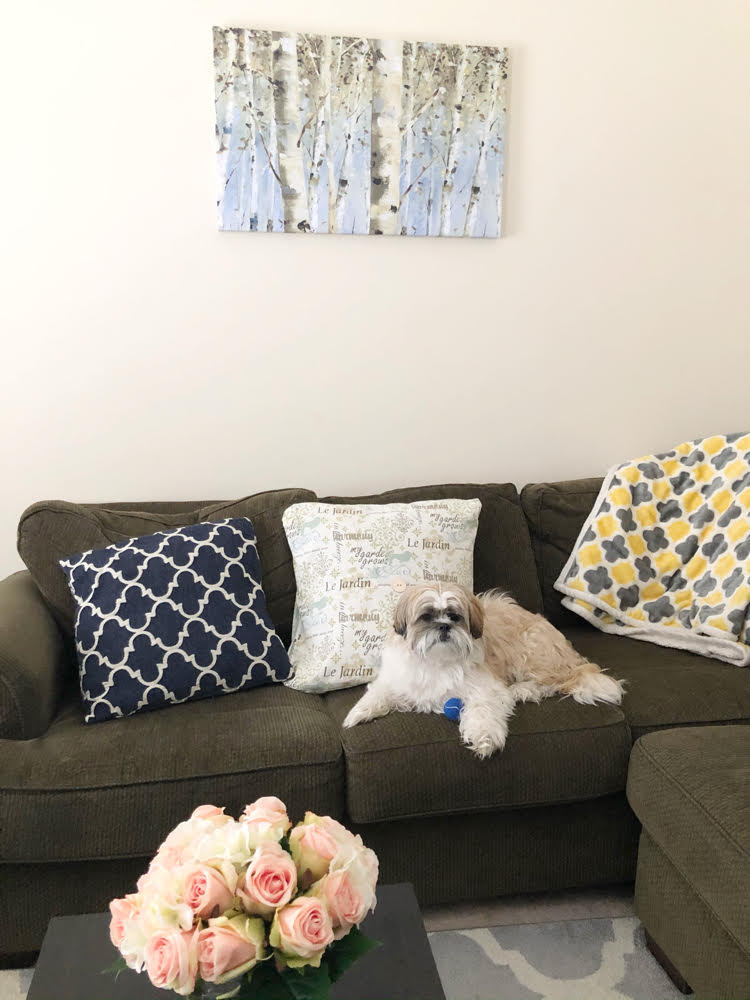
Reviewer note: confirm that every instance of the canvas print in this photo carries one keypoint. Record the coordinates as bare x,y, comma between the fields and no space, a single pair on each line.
321,134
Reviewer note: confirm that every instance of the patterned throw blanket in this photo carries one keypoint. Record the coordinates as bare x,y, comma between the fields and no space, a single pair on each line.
664,555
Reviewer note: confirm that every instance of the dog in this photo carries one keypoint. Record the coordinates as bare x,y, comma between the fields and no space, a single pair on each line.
486,650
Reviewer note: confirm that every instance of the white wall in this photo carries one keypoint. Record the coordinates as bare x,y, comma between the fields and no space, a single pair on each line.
146,355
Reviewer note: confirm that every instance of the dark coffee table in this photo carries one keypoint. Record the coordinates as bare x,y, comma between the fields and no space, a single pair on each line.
76,949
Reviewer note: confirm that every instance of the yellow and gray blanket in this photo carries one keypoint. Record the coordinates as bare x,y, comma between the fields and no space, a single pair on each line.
665,553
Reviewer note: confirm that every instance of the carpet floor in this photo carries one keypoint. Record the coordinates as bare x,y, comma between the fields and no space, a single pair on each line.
598,959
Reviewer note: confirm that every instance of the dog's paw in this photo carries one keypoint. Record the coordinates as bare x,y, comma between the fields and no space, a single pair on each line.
481,740
365,710
599,687
354,717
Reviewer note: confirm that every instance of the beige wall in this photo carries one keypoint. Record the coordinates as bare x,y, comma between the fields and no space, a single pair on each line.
146,355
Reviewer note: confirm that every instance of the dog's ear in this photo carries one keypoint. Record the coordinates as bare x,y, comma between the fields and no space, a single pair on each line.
476,617
400,619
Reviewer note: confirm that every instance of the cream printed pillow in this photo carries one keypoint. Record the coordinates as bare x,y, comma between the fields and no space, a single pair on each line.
352,563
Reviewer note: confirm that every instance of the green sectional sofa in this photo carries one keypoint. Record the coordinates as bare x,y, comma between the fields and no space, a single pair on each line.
83,807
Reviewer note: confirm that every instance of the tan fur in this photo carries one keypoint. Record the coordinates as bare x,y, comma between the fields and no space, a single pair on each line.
488,651
518,646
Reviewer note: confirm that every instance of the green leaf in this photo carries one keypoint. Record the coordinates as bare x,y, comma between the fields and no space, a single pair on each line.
118,966
346,951
265,983
308,983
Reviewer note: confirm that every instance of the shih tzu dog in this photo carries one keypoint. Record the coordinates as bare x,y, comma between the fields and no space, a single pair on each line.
488,651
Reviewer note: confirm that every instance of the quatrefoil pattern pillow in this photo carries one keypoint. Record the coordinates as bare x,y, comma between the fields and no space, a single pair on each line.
172,617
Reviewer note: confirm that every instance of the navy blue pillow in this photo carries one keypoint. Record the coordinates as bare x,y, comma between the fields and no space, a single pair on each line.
171,617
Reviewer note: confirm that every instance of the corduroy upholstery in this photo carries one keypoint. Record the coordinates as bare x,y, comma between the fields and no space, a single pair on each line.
484,854
34,893
53,529
502,552
116,789
408,765
32,662
667,687
555,513
690,788
704,951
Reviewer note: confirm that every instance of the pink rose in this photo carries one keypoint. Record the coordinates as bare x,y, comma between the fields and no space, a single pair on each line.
267,818
206,892
122,910
269,882
228,949
346,898
168,857
332,826
172,960
209,812
301,931
313,850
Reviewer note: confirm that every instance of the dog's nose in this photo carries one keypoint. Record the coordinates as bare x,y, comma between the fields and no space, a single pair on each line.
444,628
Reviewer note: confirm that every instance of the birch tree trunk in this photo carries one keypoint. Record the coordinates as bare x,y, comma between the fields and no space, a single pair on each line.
352,112
410,86
455,142
241,130
479,180
318,156
325,82
224,55
385,136
288,125
252,136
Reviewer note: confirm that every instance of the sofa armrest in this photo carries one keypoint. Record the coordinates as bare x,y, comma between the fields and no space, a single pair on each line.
32,660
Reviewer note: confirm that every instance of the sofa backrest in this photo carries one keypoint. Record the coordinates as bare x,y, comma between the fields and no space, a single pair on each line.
50,530
555,513
502,553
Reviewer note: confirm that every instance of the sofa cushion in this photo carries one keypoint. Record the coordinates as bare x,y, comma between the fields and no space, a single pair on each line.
115,790
502,553
556,513
667,687
689,788
53,529
413,765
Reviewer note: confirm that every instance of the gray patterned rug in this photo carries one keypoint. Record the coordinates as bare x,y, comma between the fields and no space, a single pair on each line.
604,959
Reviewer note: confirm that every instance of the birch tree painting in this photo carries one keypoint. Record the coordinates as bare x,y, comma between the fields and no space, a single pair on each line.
356,135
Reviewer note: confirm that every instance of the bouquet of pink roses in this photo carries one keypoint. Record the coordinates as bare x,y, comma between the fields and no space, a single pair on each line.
249,908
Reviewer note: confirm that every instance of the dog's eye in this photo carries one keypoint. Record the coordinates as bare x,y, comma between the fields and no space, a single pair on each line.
454,617
426,617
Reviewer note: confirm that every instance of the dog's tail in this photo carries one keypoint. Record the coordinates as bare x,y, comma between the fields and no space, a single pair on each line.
588,684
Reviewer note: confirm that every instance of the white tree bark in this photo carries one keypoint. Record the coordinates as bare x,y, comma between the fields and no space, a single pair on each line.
410,86
385,136
355,68
224,56
317,166
479,180
242,128
288,125
455,141
325,82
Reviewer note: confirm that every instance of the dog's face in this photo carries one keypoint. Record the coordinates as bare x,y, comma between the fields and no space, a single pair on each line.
439,618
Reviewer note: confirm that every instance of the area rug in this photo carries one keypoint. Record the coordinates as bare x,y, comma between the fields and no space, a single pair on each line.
601,959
